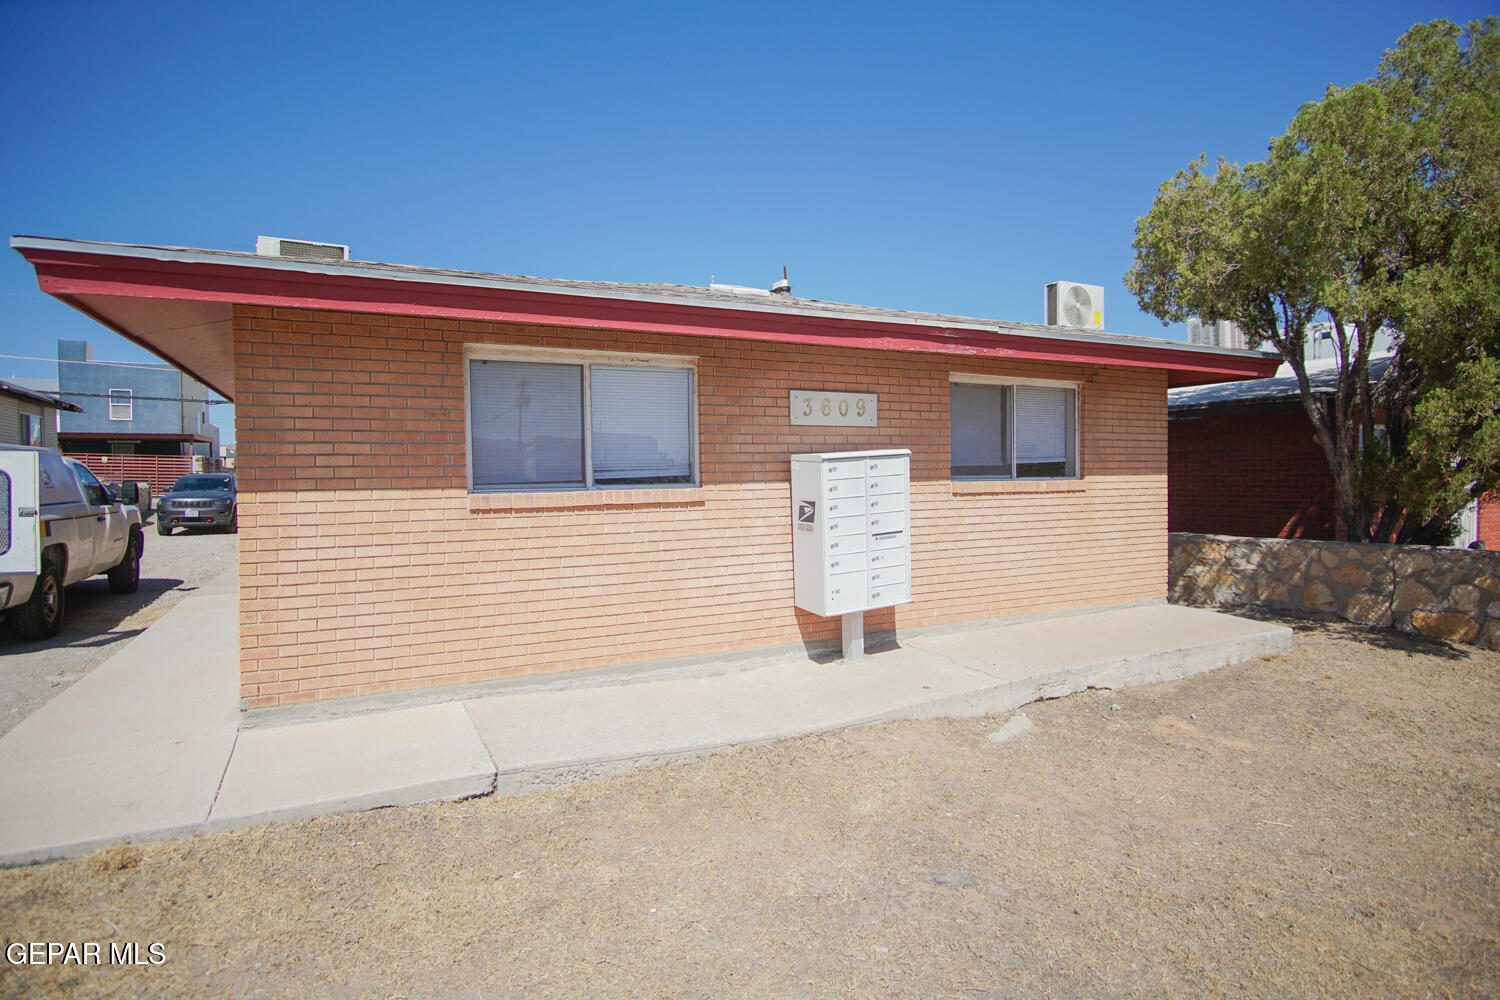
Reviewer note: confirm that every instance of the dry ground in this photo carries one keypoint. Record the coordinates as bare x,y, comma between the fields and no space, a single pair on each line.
1320,824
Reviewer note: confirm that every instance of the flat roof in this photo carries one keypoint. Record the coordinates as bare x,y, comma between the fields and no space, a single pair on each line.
177,301
1201,400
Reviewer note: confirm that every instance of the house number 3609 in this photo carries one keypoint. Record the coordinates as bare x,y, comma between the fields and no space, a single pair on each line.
835,409
825,407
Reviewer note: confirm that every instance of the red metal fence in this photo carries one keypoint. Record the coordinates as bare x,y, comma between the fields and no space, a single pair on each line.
161,471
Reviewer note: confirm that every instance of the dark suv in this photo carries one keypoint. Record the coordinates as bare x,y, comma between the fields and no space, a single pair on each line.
202,500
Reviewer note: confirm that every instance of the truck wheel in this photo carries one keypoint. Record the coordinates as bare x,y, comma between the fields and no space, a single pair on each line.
234,522
126,577
162,527
42,616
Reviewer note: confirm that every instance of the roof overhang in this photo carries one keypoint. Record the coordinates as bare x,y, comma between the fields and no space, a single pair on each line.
131,436
1237,407
1260,395
40,398
177,303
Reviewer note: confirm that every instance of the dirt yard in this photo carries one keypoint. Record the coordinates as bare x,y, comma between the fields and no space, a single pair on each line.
1321,824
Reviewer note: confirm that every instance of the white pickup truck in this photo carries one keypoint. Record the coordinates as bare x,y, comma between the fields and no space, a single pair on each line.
58,525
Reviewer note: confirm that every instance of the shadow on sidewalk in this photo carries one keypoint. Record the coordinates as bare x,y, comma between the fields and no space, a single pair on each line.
94,614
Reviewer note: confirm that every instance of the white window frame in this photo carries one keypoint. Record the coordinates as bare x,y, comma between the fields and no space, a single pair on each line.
122,397
1010,424
584,359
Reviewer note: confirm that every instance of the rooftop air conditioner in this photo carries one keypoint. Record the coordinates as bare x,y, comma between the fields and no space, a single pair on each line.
275,246
1080,307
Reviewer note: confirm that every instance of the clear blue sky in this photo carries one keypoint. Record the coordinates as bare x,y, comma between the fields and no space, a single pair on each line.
947,157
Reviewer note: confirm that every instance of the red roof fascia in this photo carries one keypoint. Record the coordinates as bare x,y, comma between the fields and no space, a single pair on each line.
70,273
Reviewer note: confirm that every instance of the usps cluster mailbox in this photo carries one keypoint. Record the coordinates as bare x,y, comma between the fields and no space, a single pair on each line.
851,544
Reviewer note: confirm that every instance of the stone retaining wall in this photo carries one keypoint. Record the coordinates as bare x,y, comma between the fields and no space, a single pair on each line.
1449,594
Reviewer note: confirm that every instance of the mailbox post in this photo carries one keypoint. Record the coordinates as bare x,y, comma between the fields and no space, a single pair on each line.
851,537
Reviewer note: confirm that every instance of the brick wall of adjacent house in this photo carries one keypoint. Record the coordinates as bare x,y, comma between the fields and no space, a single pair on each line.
1261,474
366,566
1489,521
1258,474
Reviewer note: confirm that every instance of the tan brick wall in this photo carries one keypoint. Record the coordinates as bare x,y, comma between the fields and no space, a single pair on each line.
367,567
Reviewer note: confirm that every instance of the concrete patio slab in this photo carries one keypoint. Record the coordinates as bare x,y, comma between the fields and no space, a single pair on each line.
1053,657
175,681
341,765
64,807
560,736
93,722
135,748
150,744
553,729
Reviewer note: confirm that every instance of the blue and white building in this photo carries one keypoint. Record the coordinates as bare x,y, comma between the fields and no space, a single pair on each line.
131,409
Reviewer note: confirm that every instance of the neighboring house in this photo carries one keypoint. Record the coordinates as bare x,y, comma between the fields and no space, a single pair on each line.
1243,461
1318,345
131,409
449,477
28,416
1487,521
1216,333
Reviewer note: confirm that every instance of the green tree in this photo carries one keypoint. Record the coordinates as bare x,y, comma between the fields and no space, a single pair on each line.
1379,208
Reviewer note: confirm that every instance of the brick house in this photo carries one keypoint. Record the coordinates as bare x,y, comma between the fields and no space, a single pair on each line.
1242,460
456,478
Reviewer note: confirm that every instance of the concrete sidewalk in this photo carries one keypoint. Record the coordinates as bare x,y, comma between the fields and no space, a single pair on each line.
149,744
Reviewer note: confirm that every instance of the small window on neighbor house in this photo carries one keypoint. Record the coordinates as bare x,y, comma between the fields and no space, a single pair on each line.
121,404
540,425
1382,437
999,431
31,429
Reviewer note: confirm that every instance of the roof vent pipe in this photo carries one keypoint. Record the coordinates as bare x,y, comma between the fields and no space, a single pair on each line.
782,287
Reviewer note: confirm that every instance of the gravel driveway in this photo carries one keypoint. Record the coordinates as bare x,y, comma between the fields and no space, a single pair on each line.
98,623
1320,824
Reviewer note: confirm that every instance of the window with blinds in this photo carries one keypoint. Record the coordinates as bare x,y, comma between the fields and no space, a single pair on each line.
999,431
641,425
539,425
525,424
980,430
1044,432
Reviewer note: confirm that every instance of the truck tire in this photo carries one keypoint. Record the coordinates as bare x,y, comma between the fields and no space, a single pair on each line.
42,616
126,577
234,521
162,527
